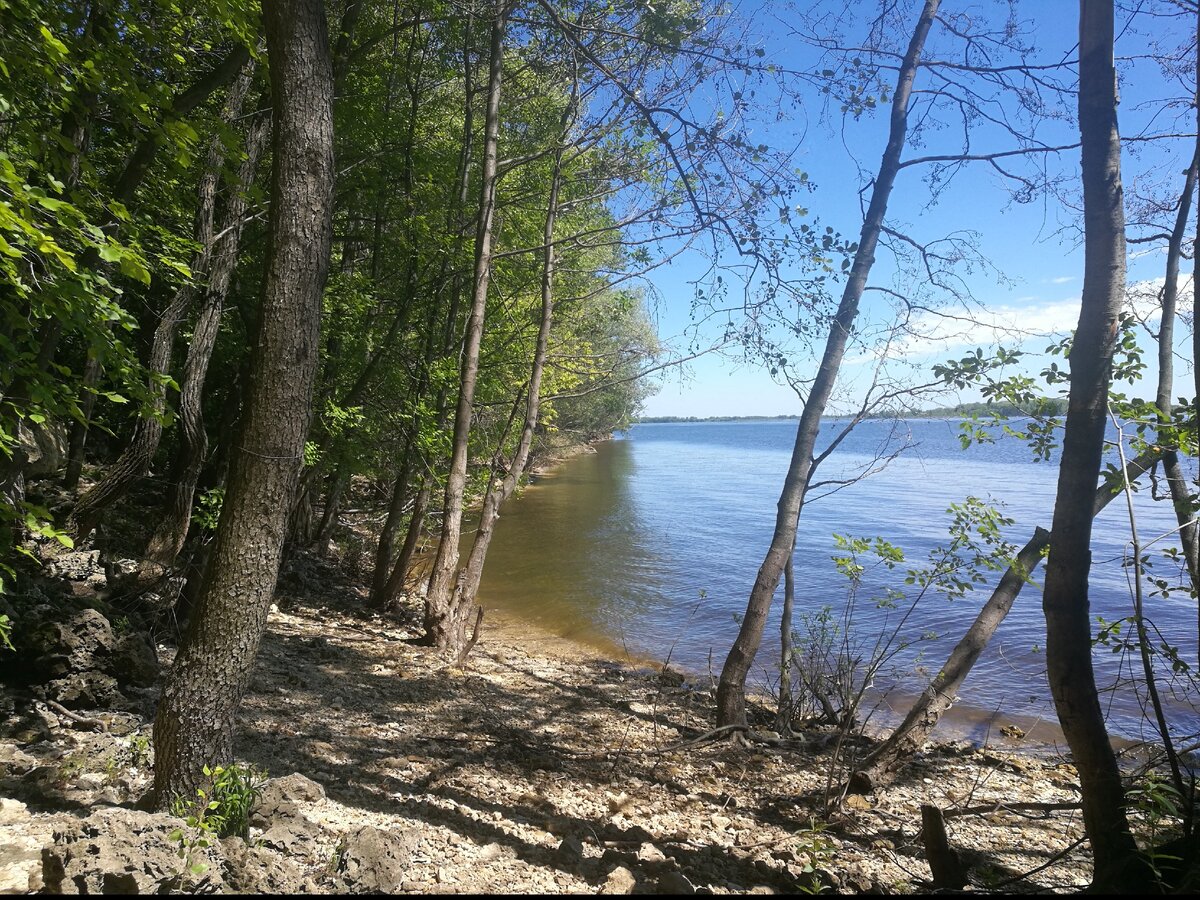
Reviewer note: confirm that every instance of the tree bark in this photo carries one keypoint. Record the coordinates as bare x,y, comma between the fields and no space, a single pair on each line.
194,724
731,690
1065,596
785,713
883,764
442,620
1195,330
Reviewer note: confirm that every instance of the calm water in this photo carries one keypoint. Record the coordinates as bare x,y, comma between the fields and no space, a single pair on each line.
651,545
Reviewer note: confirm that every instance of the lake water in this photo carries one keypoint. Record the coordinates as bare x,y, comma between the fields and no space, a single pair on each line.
651,544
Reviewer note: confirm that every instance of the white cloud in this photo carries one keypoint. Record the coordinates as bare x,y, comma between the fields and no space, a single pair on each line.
1062,279
939,333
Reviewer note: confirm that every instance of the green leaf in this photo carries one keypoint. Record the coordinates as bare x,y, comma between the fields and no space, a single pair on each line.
132,267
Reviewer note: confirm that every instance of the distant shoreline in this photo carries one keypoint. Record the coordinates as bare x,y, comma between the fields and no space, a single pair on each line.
1055,407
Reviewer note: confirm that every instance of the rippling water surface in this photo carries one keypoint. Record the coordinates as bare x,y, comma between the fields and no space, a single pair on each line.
652,543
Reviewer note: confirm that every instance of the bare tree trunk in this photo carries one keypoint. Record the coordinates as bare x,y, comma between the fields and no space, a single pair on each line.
169,537
442,617
1176,482
784,714
333,501
387,585
194,724
892,755
391,527
731,690
139,454
1195,281
499,492
1065,597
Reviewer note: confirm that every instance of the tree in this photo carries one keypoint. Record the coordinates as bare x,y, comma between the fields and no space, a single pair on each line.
731,691
1065,595
445,616
194,724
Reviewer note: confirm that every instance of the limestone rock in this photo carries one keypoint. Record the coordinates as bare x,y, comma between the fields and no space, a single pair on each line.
619,881
292,835
650,853
255,870
85,690
134,661
20,849
281,798
78,565
374,861
44,448
675,883
123,851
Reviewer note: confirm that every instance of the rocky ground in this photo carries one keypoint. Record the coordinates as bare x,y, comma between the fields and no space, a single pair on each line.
538,767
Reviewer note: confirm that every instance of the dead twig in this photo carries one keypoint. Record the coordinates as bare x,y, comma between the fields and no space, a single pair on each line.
98,724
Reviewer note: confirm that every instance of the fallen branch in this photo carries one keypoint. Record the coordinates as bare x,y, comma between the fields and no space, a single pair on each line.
98,724
1010,807
1047,864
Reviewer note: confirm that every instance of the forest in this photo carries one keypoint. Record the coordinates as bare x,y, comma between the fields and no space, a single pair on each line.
296,298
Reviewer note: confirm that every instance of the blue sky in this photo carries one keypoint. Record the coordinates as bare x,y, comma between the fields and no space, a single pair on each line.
1033,247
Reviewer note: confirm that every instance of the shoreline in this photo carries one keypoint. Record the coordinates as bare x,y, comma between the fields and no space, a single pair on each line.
540,766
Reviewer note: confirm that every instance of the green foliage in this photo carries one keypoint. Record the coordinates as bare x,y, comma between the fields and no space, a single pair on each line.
817,850
224,809
1156,802
1011,396
207,513
6,632
140,754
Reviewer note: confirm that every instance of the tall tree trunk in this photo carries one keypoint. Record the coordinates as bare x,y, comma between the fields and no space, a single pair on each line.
1176,481
387,584
442,617
731,690
1195,281
194,724
1065,597
500,490
169,537
886,760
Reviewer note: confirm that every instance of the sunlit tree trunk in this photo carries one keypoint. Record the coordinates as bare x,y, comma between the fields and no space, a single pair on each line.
731,690
1176,481
194,724
389,574
501,489
445,622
